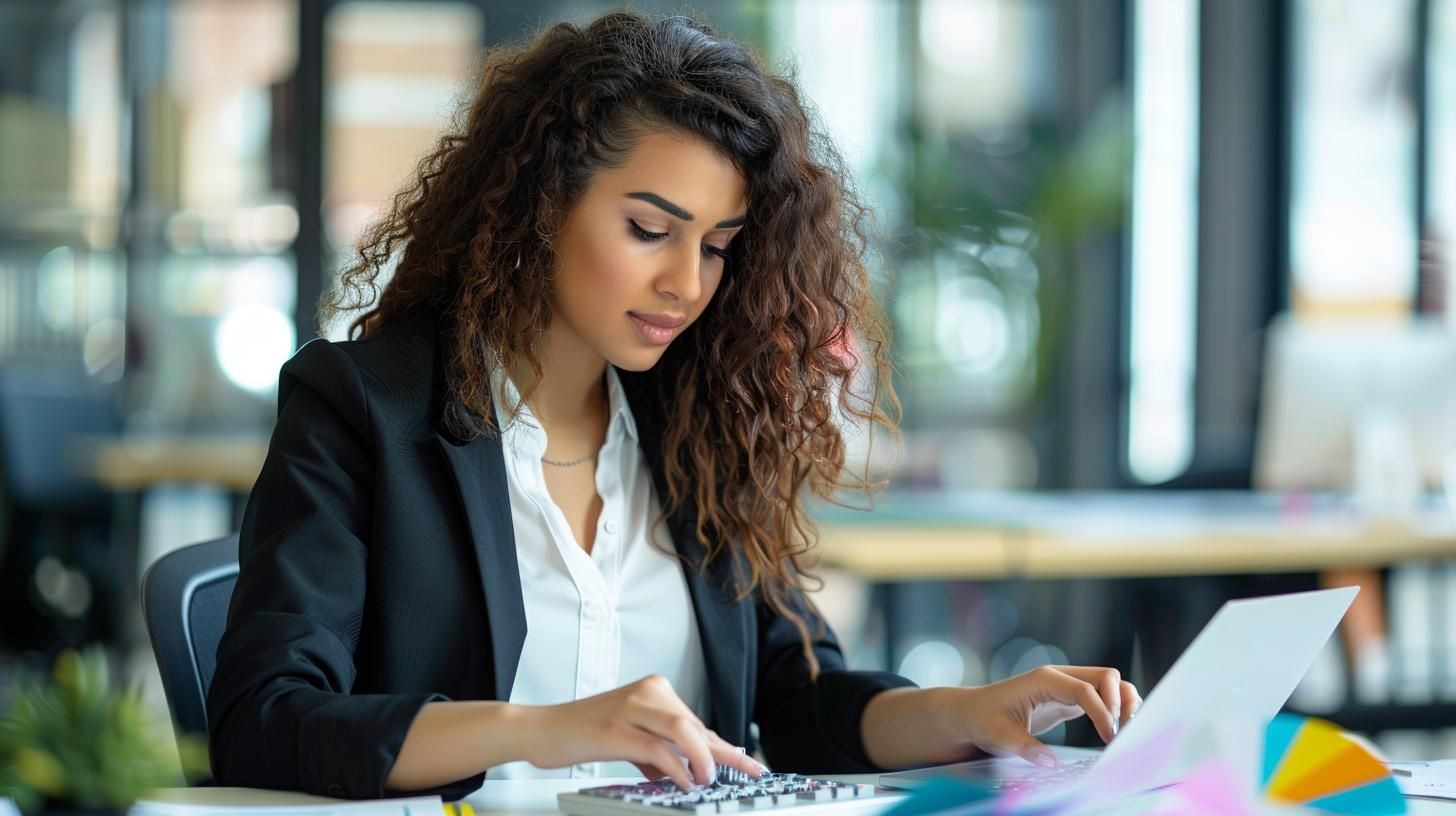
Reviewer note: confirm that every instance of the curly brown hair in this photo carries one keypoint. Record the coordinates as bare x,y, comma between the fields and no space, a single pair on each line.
756,382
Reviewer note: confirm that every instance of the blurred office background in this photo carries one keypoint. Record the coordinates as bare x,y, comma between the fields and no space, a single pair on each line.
1094,212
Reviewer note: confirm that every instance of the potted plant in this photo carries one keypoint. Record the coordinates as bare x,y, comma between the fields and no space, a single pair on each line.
75,745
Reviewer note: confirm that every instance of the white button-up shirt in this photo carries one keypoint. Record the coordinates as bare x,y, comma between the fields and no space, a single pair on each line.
597,621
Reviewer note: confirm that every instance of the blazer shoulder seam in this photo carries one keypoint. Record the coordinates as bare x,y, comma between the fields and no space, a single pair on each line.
331,353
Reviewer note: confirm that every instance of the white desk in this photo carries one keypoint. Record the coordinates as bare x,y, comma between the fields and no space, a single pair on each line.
517,797
538,797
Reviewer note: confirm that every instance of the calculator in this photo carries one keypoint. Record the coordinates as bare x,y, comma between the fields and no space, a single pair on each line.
731,792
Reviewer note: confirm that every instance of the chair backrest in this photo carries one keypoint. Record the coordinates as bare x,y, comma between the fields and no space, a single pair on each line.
185,596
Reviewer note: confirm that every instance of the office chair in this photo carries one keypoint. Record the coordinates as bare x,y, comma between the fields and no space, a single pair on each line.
185,596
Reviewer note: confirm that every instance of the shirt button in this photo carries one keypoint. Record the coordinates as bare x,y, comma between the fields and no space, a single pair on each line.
610,526
589,611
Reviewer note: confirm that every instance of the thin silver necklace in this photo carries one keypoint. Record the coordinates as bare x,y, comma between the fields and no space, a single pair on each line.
586,458
573,462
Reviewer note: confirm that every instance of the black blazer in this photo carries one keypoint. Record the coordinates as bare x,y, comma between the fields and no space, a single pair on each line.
378,573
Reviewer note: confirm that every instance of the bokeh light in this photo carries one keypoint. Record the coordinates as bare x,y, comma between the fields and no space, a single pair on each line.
934,663
251,342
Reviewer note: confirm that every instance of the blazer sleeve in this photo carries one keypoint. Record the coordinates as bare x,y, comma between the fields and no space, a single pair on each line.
279,709
806,725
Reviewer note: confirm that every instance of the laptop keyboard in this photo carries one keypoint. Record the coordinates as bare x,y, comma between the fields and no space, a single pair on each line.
1050,778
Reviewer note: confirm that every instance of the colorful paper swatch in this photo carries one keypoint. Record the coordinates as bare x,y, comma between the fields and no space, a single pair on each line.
1312,763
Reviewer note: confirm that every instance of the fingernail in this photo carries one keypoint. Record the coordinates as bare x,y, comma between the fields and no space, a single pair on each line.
1114,725
762,768
1046,759
712,771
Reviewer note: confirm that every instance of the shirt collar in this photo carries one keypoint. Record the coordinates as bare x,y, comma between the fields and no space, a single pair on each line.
617,406
526,429
522,434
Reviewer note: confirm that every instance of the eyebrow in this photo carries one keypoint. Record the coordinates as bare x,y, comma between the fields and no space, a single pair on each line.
678,212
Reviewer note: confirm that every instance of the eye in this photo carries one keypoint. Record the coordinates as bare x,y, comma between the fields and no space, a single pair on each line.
644,234
647,235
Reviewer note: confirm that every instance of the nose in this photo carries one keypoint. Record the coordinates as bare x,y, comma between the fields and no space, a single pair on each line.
682,276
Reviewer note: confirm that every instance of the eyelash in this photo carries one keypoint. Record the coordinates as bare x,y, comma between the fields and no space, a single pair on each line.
644,235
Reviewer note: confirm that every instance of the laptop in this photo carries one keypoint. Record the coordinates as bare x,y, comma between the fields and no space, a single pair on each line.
1241,668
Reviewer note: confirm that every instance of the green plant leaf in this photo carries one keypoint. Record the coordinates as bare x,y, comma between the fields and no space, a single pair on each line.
78,740
40,770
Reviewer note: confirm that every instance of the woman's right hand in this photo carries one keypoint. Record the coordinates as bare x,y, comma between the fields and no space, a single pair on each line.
644,723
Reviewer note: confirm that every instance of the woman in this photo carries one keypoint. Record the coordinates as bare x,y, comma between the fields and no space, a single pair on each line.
545,511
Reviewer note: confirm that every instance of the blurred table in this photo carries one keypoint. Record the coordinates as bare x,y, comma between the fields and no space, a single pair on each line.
1117,534
135,463
975,535
946,535
1051,535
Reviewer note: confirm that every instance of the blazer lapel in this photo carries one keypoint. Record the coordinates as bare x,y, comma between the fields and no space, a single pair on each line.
724,626
479,468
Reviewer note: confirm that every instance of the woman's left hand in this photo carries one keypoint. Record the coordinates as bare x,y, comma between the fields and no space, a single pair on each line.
1002,718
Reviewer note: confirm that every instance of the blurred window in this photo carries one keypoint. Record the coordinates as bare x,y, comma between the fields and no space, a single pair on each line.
846,52
230,62
1352,207
394,74
62,286
60,114
217,217
1164,236
1441,140
981,97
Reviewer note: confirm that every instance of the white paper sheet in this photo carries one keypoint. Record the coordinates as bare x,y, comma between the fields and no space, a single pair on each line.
1427,780
257,802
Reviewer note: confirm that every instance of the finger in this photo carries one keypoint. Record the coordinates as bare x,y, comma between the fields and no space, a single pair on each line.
648,751
1109,688
1019,743
649,770
688,736
726,754
738,758
664,714
1066,688
1130,701
1108,683
655,758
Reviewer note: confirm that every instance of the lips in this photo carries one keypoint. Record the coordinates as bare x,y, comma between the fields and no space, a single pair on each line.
664,321
651,333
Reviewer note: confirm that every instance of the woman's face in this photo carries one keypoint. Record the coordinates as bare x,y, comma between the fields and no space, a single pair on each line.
641,253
